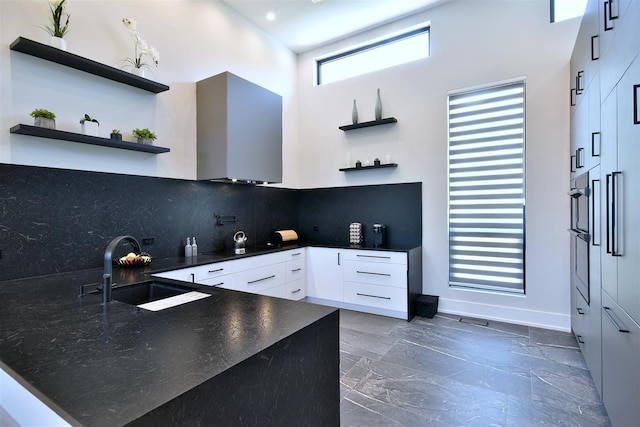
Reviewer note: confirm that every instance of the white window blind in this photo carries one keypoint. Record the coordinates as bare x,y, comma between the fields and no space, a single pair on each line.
486,188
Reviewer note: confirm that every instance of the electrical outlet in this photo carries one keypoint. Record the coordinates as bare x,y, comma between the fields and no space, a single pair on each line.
148,241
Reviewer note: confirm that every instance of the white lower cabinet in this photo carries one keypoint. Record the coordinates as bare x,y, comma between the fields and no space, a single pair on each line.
364,280
368,295
279,274
324,274
371,281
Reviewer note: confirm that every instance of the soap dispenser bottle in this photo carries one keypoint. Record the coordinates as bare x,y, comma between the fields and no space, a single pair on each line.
188,249
194,247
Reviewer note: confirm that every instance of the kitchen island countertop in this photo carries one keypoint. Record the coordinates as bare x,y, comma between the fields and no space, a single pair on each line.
113,364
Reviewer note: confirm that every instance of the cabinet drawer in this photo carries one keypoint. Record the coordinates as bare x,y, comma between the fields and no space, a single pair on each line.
297,289
213,270
184,274
380,274
376,256
246,263
295,270
294,254
375,296
226,282
259,279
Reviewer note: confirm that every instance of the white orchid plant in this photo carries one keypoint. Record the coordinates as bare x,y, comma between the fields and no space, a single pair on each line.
141,48
58,13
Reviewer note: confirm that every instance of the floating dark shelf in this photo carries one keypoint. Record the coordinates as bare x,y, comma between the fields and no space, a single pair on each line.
62,57
384,165
369,124
85,139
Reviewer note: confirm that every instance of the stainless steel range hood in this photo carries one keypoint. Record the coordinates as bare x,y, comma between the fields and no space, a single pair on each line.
239,128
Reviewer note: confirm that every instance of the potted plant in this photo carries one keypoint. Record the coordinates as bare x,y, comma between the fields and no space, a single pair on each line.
140,49
89,125
43,118
376,162
115,134
56,29
145,136
358,164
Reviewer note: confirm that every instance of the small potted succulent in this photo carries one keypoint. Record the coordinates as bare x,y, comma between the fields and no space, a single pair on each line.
144,136
115,134
89,125
376,162
43,118
358,164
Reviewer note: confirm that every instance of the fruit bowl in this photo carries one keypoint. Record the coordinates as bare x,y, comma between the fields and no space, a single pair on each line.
134,260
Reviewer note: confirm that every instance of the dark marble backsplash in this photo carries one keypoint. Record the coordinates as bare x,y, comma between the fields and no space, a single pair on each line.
55,220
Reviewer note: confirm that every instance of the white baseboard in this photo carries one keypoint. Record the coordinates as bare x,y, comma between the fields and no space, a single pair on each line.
518,316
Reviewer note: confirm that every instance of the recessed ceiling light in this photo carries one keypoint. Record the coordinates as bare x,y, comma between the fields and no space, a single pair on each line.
315,1
271,16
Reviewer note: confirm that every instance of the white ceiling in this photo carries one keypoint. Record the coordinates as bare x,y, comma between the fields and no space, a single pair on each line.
303,25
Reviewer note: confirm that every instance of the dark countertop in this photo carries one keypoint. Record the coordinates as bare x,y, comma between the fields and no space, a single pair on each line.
108,365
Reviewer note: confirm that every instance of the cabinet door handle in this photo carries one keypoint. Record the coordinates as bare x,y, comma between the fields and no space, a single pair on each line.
612,15
579,310
572,99
295,269
296,291
636,119
579,158
579,338
372,296
615,224
374,256
217,270
297,254
372,273
595,46
579,87
595,204
338,258
218,284
607,311
261,280
193,278
572,163
607,203
606,15
595,144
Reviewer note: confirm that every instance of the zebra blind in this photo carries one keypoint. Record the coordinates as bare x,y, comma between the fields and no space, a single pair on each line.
486,188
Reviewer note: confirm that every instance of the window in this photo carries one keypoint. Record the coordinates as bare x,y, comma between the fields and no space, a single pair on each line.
562,10
375,55
486,188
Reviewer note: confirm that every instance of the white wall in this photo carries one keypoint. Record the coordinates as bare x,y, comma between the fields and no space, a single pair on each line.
473,43
196,39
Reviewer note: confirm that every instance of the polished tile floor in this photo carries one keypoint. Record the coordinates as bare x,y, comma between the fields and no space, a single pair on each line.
448,372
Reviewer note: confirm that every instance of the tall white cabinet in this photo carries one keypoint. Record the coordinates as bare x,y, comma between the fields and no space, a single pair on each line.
615,306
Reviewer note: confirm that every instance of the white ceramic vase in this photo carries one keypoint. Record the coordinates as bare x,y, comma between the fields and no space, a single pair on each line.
90,128
138,71
58,42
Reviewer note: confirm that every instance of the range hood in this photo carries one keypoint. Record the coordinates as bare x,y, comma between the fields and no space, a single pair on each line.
239,131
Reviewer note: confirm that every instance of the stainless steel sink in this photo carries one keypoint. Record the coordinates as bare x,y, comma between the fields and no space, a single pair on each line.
152,290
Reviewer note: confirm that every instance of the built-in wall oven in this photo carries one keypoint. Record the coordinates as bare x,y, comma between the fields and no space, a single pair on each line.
580,237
